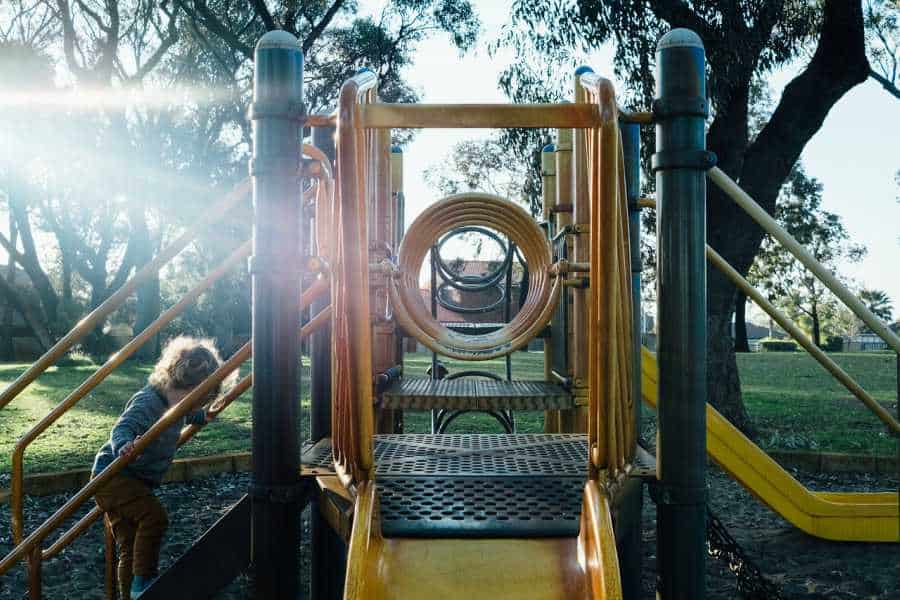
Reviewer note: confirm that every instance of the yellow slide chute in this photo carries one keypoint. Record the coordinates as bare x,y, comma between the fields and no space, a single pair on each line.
583,567
839,516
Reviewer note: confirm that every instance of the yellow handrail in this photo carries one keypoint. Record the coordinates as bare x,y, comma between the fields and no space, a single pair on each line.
610,427
97,315
832,367
352,418
28,546
756,212
187,433
18,475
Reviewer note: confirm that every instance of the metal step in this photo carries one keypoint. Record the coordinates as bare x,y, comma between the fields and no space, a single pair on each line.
413,393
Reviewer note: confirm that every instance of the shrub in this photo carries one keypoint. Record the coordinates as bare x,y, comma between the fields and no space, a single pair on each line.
778,346
834,343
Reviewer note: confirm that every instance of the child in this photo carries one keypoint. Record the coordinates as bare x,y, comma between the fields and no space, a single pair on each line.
137,517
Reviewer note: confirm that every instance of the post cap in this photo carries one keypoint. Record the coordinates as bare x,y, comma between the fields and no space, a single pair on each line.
582,70
278,38
679,38
549,148
396,150
363,70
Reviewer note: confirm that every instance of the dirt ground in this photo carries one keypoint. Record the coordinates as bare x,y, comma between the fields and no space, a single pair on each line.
802,566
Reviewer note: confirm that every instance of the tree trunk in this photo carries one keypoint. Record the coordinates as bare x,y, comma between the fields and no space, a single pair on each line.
148,298
740,324
838,65
7,350
816,327
27,310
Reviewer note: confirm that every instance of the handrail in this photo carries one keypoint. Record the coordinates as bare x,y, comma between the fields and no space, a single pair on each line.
832,367
188,432
96,316
477,116
352,418
18,475
610,424
169,418
756,212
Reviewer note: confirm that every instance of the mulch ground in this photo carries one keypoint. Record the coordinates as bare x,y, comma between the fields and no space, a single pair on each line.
804,567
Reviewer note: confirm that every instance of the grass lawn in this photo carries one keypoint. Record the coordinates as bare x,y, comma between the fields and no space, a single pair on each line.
794,402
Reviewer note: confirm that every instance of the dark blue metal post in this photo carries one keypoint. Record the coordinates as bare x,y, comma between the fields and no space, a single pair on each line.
680,163
631,148
277,115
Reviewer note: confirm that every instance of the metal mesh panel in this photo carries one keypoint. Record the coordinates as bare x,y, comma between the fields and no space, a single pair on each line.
475,394
480,507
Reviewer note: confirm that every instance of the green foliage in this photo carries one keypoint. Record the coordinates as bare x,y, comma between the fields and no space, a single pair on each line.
785,280
771,345
482,165
834,343
878,302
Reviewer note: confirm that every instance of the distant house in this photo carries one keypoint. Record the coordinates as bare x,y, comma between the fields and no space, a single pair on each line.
757,333
867,340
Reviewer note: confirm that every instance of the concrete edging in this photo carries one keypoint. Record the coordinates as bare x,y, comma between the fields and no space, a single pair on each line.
183,469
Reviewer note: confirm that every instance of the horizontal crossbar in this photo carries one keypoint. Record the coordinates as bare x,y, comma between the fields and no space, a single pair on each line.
478,116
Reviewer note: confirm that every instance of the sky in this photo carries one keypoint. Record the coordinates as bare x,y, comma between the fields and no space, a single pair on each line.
854,155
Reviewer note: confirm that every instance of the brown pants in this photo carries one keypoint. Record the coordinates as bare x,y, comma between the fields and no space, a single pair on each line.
138,522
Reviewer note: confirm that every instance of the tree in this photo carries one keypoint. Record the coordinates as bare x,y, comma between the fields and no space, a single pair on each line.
481,165
743,40
787,282
878,302
882,19
111,182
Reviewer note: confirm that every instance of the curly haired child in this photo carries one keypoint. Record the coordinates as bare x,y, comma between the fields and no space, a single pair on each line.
137,517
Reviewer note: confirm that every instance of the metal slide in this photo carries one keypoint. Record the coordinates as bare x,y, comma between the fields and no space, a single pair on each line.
840,516
585,566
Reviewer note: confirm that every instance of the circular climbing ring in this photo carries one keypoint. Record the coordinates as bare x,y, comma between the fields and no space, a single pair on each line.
472,210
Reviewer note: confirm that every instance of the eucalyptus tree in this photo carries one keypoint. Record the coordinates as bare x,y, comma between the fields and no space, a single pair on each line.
744,40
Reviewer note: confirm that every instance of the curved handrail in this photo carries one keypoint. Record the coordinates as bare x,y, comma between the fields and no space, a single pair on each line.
610,427
96,316
169,418
832,367
756,212
352,418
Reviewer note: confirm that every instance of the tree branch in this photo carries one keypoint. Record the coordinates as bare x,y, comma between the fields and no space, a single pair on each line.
203,14
678,14
886,83
838,65
319,27
166,43
262,11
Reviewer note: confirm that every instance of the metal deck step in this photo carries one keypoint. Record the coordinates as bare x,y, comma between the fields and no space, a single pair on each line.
475,485
413,393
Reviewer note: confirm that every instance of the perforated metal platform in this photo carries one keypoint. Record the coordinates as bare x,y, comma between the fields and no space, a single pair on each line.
476,485
414,393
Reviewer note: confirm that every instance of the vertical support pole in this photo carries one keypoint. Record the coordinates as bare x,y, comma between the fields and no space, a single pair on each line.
320,342
680,163
35,566
581,252
277,114
630,555
631,147
328,553
110,579
564,182
548,202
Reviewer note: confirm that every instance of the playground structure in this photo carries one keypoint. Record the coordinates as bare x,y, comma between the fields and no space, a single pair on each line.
395,515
